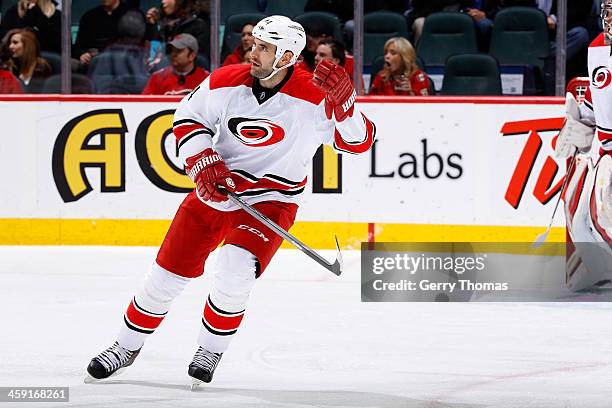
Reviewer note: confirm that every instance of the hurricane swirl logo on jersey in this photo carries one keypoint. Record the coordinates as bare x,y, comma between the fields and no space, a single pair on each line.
601,77
256,132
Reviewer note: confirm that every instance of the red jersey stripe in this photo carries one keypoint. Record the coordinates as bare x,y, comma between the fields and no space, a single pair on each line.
357,148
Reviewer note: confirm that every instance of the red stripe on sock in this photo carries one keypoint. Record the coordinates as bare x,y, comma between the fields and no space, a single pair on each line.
140,319
221,322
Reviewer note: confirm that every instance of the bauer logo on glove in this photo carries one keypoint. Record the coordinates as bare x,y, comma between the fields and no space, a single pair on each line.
339,91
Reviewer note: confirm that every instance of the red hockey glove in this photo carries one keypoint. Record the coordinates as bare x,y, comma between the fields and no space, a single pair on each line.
340,93
208,171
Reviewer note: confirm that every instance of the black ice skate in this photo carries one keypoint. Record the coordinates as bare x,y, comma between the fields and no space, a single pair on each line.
111,361
203,366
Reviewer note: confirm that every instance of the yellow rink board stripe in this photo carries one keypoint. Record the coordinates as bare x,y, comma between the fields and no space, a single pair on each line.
319,235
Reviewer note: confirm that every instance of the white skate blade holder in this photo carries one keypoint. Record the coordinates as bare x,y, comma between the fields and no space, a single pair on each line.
91,380
195,384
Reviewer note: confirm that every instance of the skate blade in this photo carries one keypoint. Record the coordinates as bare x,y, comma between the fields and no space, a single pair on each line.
195,384
92,380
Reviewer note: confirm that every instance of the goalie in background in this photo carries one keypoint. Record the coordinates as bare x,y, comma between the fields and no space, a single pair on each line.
588,195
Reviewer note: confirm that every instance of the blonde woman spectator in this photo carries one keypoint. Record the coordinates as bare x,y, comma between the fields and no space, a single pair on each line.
400,75
25,60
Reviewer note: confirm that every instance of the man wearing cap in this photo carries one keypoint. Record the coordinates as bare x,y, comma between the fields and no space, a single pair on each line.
182,76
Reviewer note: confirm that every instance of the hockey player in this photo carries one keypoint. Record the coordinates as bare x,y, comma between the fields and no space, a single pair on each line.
588,196
271,118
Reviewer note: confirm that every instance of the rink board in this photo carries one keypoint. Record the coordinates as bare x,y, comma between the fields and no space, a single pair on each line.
102,170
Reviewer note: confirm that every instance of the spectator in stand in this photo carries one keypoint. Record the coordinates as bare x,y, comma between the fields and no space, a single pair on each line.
97,30
8,83
334,51
183,75
179,17
121,67
315,33
400,75
42,16
242,52
25,60
14,17
483,13
330,49
578,13
422,8
342,8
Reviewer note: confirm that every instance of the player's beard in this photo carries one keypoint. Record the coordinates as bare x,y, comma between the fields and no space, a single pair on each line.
260,72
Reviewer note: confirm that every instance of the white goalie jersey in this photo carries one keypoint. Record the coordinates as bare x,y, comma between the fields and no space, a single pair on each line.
596,108
267,138
588,195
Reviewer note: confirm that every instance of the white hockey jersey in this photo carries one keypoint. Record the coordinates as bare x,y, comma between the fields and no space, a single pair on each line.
267,138
597,106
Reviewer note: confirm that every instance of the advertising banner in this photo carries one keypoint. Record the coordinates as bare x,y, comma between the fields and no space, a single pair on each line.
104,170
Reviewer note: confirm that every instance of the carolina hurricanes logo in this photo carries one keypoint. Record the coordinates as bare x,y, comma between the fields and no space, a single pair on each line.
256,132
601,77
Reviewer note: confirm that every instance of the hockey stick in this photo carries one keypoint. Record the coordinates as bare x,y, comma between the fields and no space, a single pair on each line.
335,268
542,237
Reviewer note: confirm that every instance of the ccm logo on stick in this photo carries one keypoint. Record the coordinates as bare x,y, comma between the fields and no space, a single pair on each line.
254,231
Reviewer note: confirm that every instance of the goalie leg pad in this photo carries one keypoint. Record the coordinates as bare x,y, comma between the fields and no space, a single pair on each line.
149,307
226,303
601,206
590,238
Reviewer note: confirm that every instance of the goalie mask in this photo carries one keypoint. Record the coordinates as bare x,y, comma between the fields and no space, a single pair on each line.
606,20
285,34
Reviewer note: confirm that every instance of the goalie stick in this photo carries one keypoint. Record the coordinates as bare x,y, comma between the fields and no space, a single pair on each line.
335,267
542,237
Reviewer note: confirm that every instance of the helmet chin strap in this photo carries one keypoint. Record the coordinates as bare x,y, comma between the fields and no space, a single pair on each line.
275,69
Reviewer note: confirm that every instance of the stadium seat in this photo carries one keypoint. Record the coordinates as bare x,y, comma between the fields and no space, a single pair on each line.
520,37
471,74
377,64
232,7
285,8
378,27
233,31
329,22
203,62
127,84
445,34
80,84
55,60
106,67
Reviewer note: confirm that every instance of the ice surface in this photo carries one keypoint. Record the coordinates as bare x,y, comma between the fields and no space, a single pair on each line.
306,341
